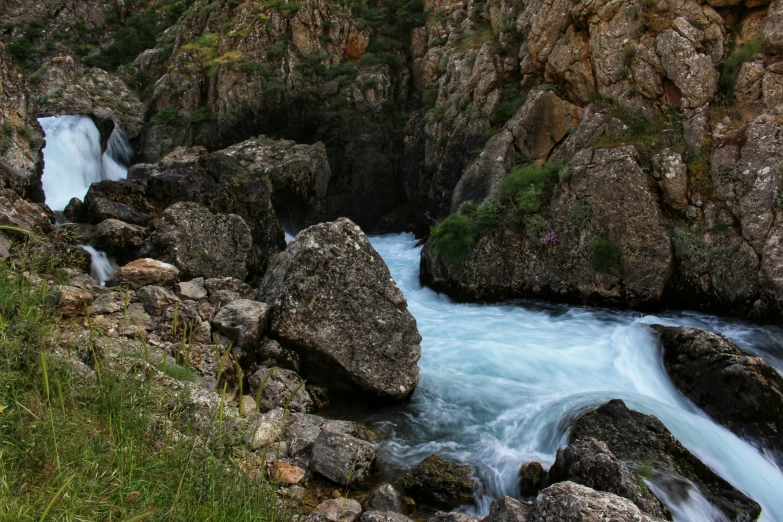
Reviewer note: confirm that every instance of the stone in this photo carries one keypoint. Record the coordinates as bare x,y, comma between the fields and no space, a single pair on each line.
305,429
123,200
590,463
156,299
224,290
277,389
342,458
338,510
453,516
384,516
738,390
773,30
202,244
243,321
692,72
270,353
347,318
247,406
532,479
73,301
635,438
18,213
287,473
507,509
143,272
576,503
672,175
542,123
267,428
440,483
118,239
385,499
193,289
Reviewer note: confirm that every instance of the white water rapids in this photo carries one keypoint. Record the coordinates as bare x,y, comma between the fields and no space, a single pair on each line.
501,384
73,160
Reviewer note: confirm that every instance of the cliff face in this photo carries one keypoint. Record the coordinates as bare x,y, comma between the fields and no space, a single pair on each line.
422,108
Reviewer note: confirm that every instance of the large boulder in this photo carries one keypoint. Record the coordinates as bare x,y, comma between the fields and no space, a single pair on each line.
590,463
200,243
738,390
635,437
577,503
333,299
143,272
440,483
118,239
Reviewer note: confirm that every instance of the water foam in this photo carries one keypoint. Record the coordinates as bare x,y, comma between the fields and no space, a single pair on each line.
501,384
101,267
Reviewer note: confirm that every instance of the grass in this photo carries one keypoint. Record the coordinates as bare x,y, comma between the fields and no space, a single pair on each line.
731,66
85,448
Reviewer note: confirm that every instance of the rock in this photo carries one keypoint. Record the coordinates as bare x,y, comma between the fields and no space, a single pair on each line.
736,389
672,175
143,272
288,474
542,123
124,200
532,479
347,318
385,499
773,30
576,503
156,299
73,301
16,212
692,72
243,321
53,255
342,458
338,510
118,239
247,406
384,516
270,353
224,290
590,463
440,483
267,428
440,516
305,429
193,289
634,437
507,509
278,387
202,244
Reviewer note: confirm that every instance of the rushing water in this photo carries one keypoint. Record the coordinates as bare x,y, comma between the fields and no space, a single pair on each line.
74,160
101,267
501,384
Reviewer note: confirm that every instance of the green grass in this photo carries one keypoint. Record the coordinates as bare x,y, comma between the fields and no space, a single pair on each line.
453,238
74,448
530,186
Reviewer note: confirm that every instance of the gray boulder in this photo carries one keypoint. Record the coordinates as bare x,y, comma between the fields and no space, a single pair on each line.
118,239
143,272
385,499
202,244
576,503
278,387
590,463
338,510
342,458
333,298
507,509
156,299
304,430
243,321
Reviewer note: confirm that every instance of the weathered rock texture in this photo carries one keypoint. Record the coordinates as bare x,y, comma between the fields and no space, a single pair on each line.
738,390
334,301
577,503
440,483
634,437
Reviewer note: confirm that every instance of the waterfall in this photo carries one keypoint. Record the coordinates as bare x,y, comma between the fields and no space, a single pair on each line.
73,158
101,267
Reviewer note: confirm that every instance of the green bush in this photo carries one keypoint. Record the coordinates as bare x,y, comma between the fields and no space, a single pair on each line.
731,68
581,215
429,97
606,254
536,226
453,237
169,115
276,49
511,100
488,215
530,186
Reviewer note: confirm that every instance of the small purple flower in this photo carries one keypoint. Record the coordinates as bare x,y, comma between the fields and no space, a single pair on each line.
549,239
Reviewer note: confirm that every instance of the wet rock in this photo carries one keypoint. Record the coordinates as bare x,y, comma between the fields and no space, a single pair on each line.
507,509
590,463
278,387
342,458
338,510
156,299
347,318
440,483
16,212
73,301
573,502
224,290
243,321
143,272
634,437
202,244
738,390
124,201
532,479
193,289
384,516
119,240
385,499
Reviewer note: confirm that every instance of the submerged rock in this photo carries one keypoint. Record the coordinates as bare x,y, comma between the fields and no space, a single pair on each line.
440,483
333,299
635,437
532,479
736,389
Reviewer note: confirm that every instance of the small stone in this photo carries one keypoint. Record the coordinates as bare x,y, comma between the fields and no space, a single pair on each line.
156,299
266,429
73,301
143,272
288,474
338,510
223,290
243,321
193,289
278,387
247,406
385,498
342,458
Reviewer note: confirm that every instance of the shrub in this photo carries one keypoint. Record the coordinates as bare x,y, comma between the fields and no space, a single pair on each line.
581,215
487,215
606,254
530,186
731,68
429,97
276,49
536,227
168,115
512,98
453,237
